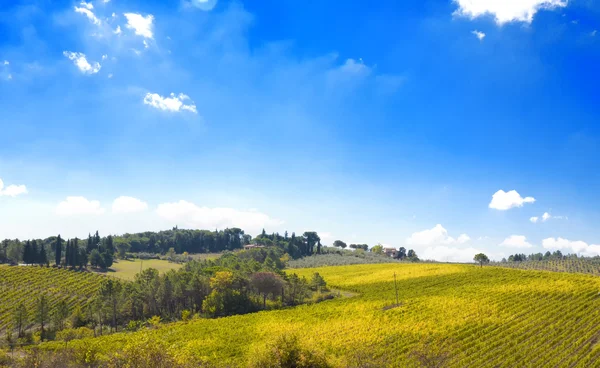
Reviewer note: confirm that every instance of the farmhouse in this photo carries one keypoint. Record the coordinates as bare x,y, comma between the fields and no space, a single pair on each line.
253,246
390,252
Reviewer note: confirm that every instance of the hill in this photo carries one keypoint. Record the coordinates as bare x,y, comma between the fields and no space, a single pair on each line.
449,315
572,265
23,284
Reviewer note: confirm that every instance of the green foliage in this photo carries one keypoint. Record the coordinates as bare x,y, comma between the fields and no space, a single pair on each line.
481,259
377,249
339,257
288,352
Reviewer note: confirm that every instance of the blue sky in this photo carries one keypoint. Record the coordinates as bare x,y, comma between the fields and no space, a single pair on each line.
392,122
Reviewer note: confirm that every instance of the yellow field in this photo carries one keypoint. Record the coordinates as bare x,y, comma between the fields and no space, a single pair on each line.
127,269
450,315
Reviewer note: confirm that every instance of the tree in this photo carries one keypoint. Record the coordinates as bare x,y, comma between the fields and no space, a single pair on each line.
27,253
20,318
107,259
60,315
122,249
109,293
58,250
266,283
68,253
96,259
481,259
377,249
401,253
41,314
34,253
317,283
339,244
42,256
412,256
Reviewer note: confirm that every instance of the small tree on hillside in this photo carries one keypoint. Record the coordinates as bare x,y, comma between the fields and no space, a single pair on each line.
339,244
481,259
20,318
42,310
266,283
377,249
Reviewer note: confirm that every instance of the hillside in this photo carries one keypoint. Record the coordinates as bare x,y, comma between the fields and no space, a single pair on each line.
449,315
24,284
573,265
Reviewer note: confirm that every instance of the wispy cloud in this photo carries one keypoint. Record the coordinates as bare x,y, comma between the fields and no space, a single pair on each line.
88,13
516,241
12,190
80,61
174,103
79,206
479,35
438,235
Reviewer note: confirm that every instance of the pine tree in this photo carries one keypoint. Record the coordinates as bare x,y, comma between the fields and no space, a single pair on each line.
90,244
43,257
27,253
68,253
109,245
58,252
34,253
42,312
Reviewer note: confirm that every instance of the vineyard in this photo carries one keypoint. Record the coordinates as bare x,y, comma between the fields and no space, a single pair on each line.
25,284
447,315
580,265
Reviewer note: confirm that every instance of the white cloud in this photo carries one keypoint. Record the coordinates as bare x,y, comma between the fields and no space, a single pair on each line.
173,103
479,35
89,5
206,5
141,25
110,76
516,241
355,67
449,254
104,57
505,11
436,236
578,247
545,217
12,190
594,32
126,204
5,62
117,31
503,201
81,62
89,14
78,206
145,44
188,214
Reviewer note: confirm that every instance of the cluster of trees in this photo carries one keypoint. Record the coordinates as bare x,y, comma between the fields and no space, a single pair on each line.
538,256
99,251
296,246
236,283
401,254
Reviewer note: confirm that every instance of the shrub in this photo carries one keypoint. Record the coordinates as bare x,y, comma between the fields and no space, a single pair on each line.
287,352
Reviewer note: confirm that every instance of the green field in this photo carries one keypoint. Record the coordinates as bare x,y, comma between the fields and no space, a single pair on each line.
449,316
127,269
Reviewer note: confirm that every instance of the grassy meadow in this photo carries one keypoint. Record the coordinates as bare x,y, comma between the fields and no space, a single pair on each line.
127,269
448,315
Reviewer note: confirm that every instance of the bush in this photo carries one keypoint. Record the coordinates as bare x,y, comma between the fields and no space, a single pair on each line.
286,352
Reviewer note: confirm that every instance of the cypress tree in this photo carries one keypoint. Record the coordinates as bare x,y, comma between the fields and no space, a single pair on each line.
58,248
90,244
68,253
27,253
34,253
43,257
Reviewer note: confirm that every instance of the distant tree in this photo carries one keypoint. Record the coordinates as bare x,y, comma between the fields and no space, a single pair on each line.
68,253
171,254
109,245
109,293
481,259
339,244
122,249
82,258
311,238
60,314
377,249
96,259
412,256
41,315
20,318
34,253
317,283
58,250
27,253
107,259
266,283
401,253
42,256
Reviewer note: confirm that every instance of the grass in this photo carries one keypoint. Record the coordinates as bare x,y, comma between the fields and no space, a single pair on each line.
448,315
127,269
